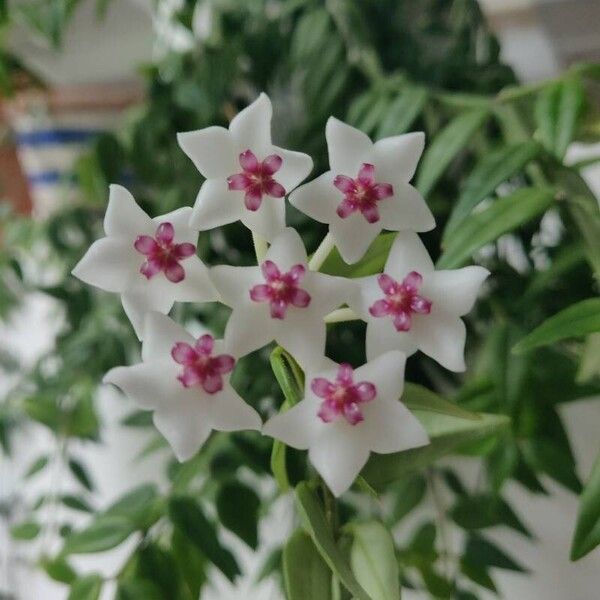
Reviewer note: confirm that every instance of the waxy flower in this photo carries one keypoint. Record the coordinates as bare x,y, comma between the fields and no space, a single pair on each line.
247,176
366,190
346,414
152,263
185,381
279,300
411,307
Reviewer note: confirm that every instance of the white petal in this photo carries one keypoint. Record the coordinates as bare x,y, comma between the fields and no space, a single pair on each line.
160,335
408,254
368,293
197,285
338,456
295,168
328,292
150,385
185,426
147,296
442,337
353,236
216,205
348,147
398,156
249,328
386,372
269,220
251,127
390,427
302,333
318,199
406,209
212,150
382,337
455,290
110,264
228,412
123,215
234,283
180,219
296,427
287,250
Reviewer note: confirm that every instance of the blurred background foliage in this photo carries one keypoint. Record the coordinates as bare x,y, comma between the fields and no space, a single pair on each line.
494,175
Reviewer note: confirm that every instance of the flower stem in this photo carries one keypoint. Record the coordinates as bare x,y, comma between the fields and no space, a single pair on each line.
341,315
321,253
260,246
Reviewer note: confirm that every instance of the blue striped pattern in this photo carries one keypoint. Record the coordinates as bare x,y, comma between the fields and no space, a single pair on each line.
56,136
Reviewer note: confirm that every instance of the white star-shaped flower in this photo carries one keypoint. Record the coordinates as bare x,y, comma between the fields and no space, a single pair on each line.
279,300
152,263
346,414
411,307
185,381
366,190
247,176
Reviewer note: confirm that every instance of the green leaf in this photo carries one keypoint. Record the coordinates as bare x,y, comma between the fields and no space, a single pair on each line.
237,507
495,168
138,589
587,529
504,215
407,494
446,435
76,503
81,474
86,588
373,560
418,397
446,146
480,552
589,365
138,505
403,111
25,531
102,534
305,573
578,319
314,520
191,562
158,565
59,570
189,519
36,466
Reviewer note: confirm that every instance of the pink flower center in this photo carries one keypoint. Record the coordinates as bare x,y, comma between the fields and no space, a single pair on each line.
162,254
362,194
256,179
200,367
281,289
342,397
401,300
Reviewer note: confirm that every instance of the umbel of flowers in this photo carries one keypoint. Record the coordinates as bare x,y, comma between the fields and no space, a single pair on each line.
346,412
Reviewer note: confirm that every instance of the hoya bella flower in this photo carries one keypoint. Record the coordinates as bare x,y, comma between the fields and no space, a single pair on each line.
185,381
366,190
279,300
411,307
246,175
346,414
152,263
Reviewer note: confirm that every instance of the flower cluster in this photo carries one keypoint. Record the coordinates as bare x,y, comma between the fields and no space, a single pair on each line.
346,413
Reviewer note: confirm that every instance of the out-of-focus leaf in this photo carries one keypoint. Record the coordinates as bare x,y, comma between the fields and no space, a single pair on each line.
25,531
373,560
483,553
36,466
589,366
402,111
81,474
138,505
191,563
407,494
576,320
504,215
305,573
587,529
102,534
138,589
316,524
446,146
59,570
418,397
76,503
237,507
86,588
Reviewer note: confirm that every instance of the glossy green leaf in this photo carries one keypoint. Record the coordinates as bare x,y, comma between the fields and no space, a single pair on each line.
373,560
492,170
446,435
587,529
86,588
314,520
189,519
238,507
504,215
446,145
402,111
102,534
305,573
577,320
418,397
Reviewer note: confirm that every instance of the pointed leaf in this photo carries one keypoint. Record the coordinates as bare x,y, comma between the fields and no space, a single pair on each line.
104,533
418,397
587,530
86,588
403,111
238,507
